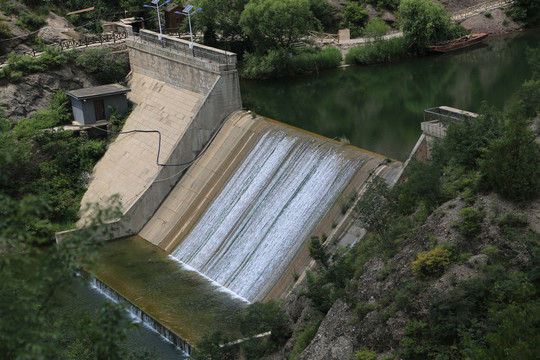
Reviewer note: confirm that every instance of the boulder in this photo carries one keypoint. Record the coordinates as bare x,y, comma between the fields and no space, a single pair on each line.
57,29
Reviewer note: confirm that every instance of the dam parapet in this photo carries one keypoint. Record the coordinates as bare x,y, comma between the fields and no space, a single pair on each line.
201,56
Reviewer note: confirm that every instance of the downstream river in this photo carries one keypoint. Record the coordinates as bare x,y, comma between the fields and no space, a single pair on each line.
379,108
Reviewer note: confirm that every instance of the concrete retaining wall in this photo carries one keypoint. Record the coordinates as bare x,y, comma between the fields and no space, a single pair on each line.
222,91
167,64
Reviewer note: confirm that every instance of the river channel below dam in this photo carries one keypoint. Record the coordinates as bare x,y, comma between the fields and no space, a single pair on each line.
377,108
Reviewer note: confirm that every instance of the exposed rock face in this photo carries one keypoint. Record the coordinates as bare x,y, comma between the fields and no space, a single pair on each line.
56,30
388,17
360,321
33,92
371,11
456,5
496,23
17,37
335,330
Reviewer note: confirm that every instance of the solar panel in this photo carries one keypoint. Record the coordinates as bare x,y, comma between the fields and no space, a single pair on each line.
188,8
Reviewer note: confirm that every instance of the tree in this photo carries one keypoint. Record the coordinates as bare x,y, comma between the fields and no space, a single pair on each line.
32,275
326,14
318,252
354,17
274,24
526,11
373,209
511,165
375,28
220,18
466,140
258,318
105,65
40,182
424,23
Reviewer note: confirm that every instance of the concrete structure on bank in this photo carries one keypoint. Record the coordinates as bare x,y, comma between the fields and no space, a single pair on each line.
91,105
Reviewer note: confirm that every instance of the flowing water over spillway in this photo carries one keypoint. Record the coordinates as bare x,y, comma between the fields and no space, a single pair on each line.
257,224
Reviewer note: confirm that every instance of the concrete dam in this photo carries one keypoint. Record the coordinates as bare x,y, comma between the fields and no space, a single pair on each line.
231,194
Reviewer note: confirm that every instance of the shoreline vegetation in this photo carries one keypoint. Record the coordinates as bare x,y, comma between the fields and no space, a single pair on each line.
422,22
272,39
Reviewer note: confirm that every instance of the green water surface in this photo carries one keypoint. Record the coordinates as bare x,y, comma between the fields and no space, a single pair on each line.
380,108
182,300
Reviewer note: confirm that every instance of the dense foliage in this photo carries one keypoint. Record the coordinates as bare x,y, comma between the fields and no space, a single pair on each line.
423,23
107,66
255,322
378,52
22,65
47,162
526,11
41,184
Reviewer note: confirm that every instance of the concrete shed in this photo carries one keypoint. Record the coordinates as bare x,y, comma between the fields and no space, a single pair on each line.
93,104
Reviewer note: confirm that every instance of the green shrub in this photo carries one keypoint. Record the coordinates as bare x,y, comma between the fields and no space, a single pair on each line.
471,222
22,65
466,141
330,57
458,31
487,14
30,21
375,28
256,66
513,220
5,31
365,354
379,52
493,253
412,344
526,11
433,262
423,185
303,338
354,18
511,165
104,64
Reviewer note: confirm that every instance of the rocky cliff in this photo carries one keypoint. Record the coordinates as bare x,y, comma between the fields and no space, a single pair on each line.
33,92
372,318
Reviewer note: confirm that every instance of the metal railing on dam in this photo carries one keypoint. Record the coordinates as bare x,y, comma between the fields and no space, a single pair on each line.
179,49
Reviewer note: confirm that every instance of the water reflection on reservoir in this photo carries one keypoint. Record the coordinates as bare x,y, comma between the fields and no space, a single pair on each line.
379,108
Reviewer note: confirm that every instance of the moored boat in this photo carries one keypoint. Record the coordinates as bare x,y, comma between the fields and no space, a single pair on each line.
458,43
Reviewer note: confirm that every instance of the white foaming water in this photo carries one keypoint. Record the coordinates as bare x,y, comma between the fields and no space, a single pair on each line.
217,285
254,228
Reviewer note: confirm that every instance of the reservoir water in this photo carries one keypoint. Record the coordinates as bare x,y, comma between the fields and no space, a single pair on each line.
379,108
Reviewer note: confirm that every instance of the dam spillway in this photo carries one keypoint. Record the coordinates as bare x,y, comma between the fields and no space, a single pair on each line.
243,211
277,196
